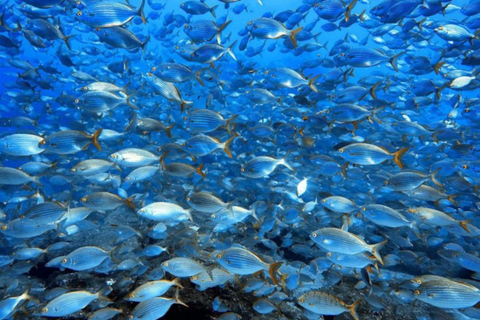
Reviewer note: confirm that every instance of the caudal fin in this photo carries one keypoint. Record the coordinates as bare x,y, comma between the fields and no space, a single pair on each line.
168,130
311,83
393,60
227,144
220,29
230,52
212,11
353,309
397,157
434,180
377,247
95,137
349,10
272,271
464,225
141,13
293,36
200,172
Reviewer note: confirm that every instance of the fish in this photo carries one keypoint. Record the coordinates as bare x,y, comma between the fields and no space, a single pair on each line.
368,154
325,304
267,28
107,15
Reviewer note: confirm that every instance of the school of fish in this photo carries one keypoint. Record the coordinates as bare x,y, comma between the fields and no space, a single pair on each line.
322,158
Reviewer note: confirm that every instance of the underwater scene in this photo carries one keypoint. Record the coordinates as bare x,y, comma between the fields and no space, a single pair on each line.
240,159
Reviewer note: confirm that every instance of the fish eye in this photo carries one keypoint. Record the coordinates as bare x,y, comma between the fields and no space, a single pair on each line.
188,199
64,260
418,281
84,89
329,254
84,199
266,71
302,300
416,292
45,310
213,216
185,26
314,234
77,100
219,256
249,23
194,277
440,28
324,200
79,13
165,264
4,227
182,5
364,209
131,295
154,69
431,295
465,166
73,170
341,150
91,14
114,156
43,142
127,178
242,169
467,110
177,47
411,210
149,74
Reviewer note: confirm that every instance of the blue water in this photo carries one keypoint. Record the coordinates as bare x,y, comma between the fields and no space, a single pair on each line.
325,165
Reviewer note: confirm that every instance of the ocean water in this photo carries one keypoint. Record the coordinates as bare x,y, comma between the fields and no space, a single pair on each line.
239,159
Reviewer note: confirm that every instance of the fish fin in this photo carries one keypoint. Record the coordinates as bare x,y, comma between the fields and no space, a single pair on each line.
437,66
212,11
183,104
66,39
372,90
434,180
143,44
353,309
464,225
349,10
397,157
168,130
293,36
220,29
162,160
198,74
95,137
129,202
199,170
272,270
227,123
377,247
230,52
130,104
177,283
393,60
177,299
141,13
311,83
227,144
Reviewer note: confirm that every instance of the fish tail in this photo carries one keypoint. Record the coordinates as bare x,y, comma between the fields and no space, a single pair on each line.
420,24
285,163
464,225
293,36
178,301
129,202
393,60
377,247
95,137
438,92
212,11
272,271
414,227
104,292
220,29
230,52
450,198
130,104
434,180
141,13
437,66
349,10
311,83
372,90
35,180
185,103
198,74
66,40
444,9
199,170
177,283
397,156
168,130
353,309
227,144
144,43
228,122
162,160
